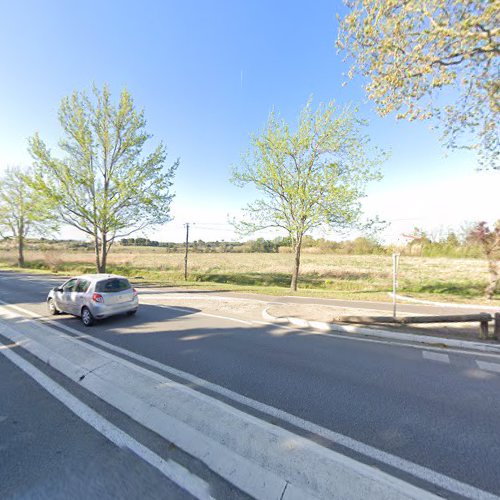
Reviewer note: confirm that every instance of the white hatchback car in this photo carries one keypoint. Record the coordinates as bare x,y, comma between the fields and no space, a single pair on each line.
94,296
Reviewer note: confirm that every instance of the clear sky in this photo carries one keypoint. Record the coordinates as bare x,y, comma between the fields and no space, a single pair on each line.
207,74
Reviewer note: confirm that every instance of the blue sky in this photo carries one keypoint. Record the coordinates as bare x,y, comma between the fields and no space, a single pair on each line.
207,74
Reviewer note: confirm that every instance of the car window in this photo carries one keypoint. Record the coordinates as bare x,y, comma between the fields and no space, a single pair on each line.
112,285
82,286
69,286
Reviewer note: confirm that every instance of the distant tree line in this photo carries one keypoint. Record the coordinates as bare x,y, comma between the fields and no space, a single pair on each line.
141,242
260,245
454,244
447,243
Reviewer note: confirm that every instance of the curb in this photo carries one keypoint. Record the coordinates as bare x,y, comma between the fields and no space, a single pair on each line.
385,334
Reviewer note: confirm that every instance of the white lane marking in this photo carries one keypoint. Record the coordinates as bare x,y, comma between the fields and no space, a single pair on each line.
415,470
490,367
172,470
184,296
187,309
31,278
436,356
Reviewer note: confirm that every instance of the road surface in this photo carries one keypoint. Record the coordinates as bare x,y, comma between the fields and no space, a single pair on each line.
429,417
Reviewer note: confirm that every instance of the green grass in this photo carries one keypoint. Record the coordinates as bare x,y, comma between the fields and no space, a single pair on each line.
365,277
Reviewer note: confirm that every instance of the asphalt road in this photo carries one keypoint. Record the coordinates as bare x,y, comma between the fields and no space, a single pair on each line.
436,409
46,451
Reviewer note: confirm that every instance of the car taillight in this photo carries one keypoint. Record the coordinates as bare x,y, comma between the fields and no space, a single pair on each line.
135,292
97,297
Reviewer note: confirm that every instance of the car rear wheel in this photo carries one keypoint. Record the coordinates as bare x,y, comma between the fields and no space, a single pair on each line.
87,318
51,306
131,313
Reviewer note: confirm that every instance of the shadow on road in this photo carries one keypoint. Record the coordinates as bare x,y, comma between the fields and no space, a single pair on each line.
142,322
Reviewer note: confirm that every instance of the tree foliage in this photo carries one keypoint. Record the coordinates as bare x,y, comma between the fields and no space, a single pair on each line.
309,178
411,50
23,211
105,185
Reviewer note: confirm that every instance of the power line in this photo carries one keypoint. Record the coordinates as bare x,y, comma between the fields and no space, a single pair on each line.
213,224
216,229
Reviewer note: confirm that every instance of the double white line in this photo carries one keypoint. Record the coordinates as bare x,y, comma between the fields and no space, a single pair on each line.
172,470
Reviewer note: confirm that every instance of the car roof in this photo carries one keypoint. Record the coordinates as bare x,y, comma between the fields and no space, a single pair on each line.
99,277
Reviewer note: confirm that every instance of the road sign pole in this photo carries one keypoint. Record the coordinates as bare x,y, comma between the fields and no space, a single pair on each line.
186,253
395,265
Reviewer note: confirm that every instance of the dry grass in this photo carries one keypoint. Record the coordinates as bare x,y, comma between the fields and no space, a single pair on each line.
352,276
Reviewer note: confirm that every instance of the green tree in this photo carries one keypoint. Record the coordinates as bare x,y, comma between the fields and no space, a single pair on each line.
23,211
310,178
261,245
452,240
410,51
105,185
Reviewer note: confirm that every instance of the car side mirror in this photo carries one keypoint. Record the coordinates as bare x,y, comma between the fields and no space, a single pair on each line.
58,289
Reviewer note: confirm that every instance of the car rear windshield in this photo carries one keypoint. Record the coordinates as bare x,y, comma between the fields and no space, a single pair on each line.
112,285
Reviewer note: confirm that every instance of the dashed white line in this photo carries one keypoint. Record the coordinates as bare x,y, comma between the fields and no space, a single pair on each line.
490,367
436,356
198,313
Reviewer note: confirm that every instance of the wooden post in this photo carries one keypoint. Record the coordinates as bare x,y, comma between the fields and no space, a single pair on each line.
483,329
496,328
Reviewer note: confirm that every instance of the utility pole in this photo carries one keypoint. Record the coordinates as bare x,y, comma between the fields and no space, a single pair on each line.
186,252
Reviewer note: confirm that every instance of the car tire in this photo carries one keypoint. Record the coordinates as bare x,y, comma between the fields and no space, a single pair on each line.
51,306
131,313
87,318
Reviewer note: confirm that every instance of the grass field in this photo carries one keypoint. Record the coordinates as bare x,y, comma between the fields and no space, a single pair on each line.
327,275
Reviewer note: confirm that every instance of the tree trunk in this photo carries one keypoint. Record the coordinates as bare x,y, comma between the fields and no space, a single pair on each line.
20,248
97,253
104,253
296,266
492,286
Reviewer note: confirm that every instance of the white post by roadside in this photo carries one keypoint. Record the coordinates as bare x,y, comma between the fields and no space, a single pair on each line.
395,265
